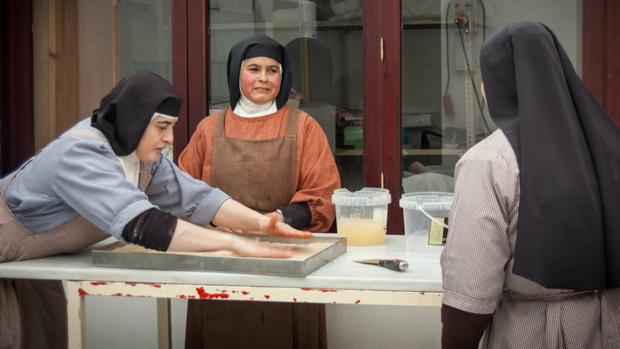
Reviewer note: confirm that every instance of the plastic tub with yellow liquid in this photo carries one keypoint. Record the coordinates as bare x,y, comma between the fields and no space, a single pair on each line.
362,215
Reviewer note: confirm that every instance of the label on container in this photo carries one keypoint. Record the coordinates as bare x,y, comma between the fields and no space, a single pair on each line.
437,232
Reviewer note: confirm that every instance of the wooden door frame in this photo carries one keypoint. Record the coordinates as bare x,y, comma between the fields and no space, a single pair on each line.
601,53
190,47
16,84
382,103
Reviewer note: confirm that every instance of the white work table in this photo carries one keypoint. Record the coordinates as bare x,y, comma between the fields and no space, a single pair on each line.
341,281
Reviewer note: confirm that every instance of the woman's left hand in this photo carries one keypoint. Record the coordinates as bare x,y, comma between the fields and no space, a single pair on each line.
270,225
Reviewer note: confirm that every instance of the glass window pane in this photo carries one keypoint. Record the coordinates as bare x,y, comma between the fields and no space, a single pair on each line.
443,113
324,42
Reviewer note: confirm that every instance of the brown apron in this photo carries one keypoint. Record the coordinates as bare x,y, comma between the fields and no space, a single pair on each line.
261,175
33,313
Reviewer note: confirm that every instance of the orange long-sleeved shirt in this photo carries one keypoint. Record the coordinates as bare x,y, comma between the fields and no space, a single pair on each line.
316,174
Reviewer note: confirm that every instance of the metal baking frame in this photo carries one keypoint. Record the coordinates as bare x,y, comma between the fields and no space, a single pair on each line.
106,257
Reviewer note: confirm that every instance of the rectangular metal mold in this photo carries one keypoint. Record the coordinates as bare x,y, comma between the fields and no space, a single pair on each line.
105,257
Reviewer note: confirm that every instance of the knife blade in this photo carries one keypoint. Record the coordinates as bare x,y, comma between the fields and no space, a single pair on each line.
392,264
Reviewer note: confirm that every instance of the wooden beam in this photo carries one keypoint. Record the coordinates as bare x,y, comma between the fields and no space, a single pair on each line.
382,103
16,93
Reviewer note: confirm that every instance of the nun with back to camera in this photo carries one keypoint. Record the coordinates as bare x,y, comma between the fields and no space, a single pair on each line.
105,177
532,258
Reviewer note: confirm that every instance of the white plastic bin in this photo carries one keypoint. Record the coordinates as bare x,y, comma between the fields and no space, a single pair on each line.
362,215
417,210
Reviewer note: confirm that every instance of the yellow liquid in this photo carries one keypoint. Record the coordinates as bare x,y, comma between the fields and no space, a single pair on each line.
362,232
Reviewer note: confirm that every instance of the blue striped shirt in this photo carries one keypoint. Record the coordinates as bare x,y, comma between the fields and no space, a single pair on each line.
80,175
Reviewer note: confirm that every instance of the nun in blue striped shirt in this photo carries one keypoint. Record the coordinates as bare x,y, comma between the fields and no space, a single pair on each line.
106,176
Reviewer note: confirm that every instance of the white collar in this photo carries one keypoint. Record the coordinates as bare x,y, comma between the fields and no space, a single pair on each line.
248,109
131,166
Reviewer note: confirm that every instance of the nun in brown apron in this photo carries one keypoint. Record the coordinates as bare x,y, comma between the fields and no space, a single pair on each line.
107,174
275,159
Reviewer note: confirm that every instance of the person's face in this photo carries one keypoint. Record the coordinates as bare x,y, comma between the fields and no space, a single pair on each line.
157,135
260,79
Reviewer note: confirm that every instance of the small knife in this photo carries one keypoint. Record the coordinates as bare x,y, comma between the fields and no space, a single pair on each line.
393,264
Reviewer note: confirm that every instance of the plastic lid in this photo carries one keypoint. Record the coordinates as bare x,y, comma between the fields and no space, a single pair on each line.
429,201
363,197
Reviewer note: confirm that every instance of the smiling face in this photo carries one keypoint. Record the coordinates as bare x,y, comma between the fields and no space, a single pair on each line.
260,79
157,135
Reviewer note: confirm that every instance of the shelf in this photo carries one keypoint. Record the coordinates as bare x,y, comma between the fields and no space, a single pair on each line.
349,152
408,152
429,152
345,24
323,25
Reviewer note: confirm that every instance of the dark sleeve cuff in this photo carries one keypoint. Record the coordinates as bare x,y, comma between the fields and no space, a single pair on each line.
462,329
152,229
297,215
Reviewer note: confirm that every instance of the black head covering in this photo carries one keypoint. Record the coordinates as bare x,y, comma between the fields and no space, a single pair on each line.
125,112
568,149
255,46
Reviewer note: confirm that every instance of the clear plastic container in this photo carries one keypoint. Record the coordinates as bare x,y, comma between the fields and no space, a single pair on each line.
362,215
419,208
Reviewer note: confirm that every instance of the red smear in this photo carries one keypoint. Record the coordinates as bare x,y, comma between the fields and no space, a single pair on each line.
357,301
245,293
156,285
98,283
82,292
234,291
294,299
116,294
182,296
131,283
322,289
191,296
129,295
223,291
205,295
267,296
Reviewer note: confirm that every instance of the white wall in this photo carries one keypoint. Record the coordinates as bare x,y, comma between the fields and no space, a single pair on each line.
130,323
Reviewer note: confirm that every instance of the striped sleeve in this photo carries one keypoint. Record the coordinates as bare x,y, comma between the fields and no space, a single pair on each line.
90,180
179,193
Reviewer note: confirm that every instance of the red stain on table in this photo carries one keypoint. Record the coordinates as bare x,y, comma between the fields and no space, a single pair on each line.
357,301
319,289
245,293
131,283
267,296
116,294
82,292
205,295
294,299
98,283
156,285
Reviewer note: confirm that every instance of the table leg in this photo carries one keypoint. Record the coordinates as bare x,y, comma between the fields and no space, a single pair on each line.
164,332
75,315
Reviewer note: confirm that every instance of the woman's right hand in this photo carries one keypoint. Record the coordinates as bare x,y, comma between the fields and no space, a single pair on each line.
248,247
189,237
270,224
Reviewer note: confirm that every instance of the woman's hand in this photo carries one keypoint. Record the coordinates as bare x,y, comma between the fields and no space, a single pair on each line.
255,248
189,237
238,217
269,224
